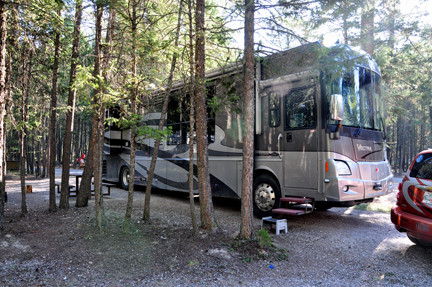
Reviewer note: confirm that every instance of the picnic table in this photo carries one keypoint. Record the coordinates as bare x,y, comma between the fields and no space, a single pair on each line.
74,189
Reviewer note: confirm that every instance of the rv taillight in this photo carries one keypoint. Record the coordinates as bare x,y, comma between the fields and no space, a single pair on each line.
326,166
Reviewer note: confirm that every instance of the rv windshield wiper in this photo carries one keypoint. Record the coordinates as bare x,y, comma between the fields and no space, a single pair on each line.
357,133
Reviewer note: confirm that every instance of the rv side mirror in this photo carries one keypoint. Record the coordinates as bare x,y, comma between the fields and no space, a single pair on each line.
336,107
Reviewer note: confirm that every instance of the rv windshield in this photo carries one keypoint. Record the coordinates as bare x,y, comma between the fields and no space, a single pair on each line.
362,97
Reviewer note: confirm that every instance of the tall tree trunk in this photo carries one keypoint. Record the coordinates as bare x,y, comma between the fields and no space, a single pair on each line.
367,26
246,226
52,128
208,221
44,142
98,118
146,215
3,32
58,141
31,153
430,125
24,118
77,140
85,186
38,156
192,123
64,196
133,127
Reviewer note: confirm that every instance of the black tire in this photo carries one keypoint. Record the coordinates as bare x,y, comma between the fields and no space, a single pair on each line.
266,195
124,178
419,242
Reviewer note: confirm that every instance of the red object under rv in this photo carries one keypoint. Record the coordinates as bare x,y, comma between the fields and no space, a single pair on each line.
413,211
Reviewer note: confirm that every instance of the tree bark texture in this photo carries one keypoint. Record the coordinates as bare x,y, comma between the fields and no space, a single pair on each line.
64,196
2,108
146,215
133,128
84,192
98,117
246,226
44,145
208,221
192,123
52,128
24,118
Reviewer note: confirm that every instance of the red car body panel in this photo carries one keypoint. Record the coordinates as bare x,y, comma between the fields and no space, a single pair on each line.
413,213
417,226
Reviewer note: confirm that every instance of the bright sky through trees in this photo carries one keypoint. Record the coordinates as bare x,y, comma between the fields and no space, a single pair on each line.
411,9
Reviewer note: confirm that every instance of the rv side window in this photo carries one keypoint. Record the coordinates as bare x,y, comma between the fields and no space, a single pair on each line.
274,109
300,108
178,118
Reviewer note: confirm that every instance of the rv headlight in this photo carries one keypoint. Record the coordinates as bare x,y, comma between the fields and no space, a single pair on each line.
342,168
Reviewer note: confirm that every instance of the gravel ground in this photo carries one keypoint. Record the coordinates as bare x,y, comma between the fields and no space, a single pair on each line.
338,247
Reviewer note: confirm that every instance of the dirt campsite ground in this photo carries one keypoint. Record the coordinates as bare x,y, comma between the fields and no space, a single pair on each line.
338,247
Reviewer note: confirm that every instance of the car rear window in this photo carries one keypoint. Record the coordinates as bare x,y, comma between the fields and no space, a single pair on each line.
422,167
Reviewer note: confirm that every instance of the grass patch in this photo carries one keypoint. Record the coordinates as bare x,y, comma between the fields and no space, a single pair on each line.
259,247
371,207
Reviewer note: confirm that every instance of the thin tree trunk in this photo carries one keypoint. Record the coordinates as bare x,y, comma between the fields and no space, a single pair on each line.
64,196
3,32
146,215
38,158
192,123
98,118
430,125
133,127
52,129
246,226
31,154
208,221
85,186
77,140
44,143
58,141
24,119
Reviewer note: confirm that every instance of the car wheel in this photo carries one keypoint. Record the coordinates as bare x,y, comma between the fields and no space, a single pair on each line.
266,195
419,242
124,178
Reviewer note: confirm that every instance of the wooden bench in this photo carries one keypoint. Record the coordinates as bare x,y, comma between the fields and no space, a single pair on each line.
58,184
108,185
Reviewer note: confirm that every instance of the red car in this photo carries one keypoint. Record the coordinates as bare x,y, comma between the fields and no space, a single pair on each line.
413,211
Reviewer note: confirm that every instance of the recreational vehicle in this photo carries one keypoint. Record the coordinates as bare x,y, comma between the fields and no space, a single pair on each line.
320,139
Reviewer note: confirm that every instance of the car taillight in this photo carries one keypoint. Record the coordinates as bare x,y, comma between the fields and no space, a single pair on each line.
399,198
400,186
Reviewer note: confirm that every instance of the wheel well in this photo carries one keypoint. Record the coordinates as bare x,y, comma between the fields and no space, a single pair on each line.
266,172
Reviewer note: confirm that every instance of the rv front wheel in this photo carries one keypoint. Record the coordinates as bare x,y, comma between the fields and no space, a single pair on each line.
124,178
266,195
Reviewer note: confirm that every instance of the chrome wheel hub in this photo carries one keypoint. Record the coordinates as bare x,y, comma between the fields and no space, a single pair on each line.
265,197
126,178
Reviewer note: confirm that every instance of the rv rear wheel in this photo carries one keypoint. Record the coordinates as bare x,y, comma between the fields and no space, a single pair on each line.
266,195
124,178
